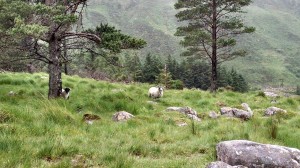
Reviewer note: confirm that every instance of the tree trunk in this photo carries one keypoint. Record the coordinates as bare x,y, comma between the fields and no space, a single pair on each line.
65,56
66,69
213,82
55,82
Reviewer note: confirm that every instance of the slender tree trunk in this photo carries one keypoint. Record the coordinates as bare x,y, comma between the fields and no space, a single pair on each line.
213,83
55,82
65,56
93,65
66,69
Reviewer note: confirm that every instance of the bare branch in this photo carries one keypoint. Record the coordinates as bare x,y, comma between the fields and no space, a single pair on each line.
89,36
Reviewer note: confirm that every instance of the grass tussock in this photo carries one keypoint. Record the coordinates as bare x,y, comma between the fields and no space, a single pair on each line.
37,132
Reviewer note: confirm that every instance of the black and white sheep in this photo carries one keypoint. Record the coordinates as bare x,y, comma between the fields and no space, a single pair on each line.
156,92
65,93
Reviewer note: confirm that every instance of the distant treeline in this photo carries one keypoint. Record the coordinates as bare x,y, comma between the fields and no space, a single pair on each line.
188,73
173,74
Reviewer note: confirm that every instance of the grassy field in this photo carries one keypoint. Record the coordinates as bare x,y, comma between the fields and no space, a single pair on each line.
37,132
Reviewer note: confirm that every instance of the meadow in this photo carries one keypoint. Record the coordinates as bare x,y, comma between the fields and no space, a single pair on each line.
37,132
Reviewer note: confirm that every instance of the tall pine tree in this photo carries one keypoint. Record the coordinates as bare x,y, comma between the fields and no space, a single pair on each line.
212,26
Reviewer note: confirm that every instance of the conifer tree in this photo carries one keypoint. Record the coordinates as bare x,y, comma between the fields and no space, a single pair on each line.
223,77
232,81
212,26
134,67
186,74
243,86
151,68
164,78
173,67
41,27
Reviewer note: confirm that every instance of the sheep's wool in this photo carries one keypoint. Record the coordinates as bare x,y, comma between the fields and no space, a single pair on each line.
155,92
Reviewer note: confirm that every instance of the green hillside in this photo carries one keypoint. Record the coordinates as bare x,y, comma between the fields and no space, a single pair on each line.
152,20
273,49
37,132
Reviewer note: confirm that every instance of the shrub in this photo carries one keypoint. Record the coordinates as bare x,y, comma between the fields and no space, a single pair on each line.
221,89
261,94
177,84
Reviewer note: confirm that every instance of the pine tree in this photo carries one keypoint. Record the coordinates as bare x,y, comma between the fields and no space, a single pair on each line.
233,80
200,75
243,86
151,68
164,78
133,66
223,77
237,81
41,28
212,25
173,67
186,74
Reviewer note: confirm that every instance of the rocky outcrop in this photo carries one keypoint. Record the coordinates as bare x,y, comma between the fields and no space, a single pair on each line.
220,164
256,155
192,114
238,113
273,110
227,111
271,94
213,115
247,108
122,116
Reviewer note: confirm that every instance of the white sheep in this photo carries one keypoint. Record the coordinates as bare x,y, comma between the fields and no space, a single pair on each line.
65,93
156,92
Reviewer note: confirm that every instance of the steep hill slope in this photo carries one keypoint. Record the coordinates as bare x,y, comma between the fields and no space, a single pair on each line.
274,52
274,47
153,20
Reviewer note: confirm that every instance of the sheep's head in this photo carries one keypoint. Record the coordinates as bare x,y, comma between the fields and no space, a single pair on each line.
67,90
160,89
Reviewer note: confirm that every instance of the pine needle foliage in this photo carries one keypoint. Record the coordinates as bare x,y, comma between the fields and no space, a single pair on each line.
210,30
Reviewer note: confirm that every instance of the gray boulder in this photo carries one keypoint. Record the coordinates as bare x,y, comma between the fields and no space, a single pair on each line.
256,155
219,164
247,108
245,115
122,116
213,115
271,94
238,113
227,111
192,114
273,110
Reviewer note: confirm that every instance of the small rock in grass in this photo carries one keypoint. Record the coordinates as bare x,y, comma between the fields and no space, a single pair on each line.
122,116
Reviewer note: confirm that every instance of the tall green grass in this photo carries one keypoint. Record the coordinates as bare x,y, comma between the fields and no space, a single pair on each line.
37,132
